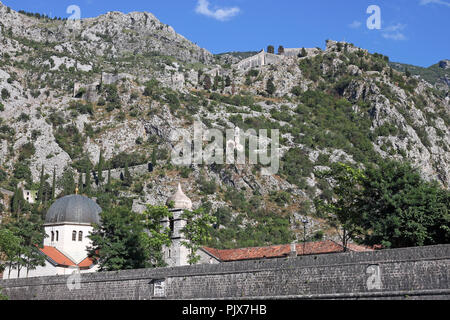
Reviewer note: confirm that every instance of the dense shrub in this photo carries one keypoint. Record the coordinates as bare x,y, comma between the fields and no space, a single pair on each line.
5,94
27,150
207,186
133,159
82,107
70,140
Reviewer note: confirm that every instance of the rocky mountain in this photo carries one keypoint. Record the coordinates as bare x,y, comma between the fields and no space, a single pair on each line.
437,74
121,83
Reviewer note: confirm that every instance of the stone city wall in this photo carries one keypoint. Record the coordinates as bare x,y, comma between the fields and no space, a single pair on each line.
410,273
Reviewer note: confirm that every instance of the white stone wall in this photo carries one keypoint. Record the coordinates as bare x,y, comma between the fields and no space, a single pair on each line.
30,196
258,60
47,270
177,254
76,250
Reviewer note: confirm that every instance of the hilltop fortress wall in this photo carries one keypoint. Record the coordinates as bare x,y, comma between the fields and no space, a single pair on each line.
409,273
263,58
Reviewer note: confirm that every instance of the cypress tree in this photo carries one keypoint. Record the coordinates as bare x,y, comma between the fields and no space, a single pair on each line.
108,184
207,82
15,201
54,184
303,53
270,49
80,183
100,168
87,180
216,83
270,87
67,181
41,185
127,181
154,157
227,81
18,201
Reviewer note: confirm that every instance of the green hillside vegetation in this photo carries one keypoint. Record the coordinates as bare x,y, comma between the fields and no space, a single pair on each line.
431,74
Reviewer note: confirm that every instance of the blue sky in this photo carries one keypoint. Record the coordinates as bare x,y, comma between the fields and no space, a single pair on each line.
412,31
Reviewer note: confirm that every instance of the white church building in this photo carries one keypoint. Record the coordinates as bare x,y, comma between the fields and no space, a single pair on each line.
70,220
68,223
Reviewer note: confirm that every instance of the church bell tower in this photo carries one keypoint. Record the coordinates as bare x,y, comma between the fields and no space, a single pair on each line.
177,254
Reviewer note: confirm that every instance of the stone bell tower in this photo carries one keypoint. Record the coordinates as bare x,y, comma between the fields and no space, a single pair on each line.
177,254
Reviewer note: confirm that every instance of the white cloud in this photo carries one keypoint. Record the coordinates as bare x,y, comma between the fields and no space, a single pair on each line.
396,27
441,2
398,36
394,32
221,14
355,24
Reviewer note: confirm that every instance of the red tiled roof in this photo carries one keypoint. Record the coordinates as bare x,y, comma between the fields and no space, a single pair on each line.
279,251
57,256
359,248
86,263
62,260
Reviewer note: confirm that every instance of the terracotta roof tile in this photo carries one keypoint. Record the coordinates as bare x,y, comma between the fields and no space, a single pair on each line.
62,260
359,248
57,256
278,251
86,263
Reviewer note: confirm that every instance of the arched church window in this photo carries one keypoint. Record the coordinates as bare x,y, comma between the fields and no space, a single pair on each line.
57,235
74,235
80,236
53,236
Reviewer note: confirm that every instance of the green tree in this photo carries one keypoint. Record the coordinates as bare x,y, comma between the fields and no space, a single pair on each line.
303,53
207,82
9,247
154,157
151,88
197,231
33,235
118,243
22,172
101,164
156,236
5,94
66,182
216,82
108,183
271,49
80,183
41,185
280,50
53,184
270,87
18,202
227,81
87,178
342,212
400,209
127,180
30,230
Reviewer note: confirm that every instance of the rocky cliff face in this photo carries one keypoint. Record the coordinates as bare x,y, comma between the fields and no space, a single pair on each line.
114,35
71,89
